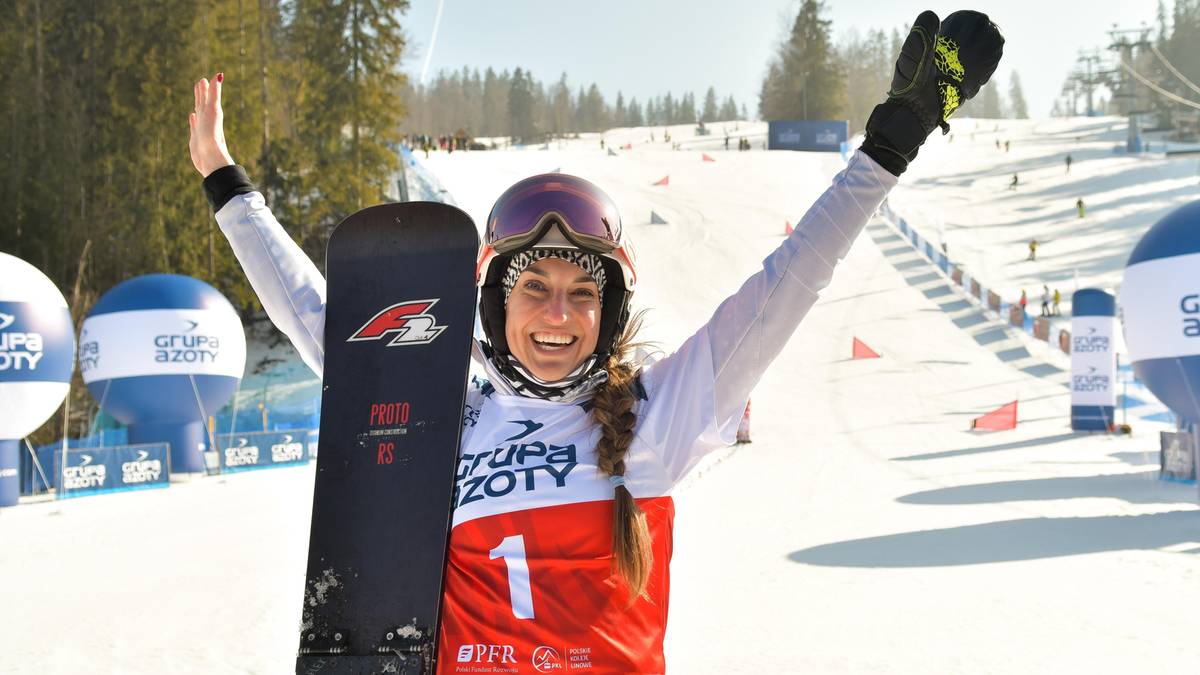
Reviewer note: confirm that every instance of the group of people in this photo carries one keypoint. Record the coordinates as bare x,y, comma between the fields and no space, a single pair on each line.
1050,302
445,142
743,144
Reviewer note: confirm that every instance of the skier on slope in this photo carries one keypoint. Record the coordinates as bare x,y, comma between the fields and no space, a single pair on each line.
593,531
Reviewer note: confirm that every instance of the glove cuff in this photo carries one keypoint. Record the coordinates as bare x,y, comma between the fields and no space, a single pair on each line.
225,183
894,134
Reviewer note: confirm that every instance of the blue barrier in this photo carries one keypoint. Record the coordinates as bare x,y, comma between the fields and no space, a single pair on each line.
809,135
31,476
91,471
263,449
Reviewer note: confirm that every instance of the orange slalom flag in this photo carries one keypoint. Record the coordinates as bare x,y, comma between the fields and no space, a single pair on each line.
666,180
1000,419
862,351
705,158
787,227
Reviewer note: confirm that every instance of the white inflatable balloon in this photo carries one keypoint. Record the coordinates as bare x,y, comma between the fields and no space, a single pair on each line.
37,348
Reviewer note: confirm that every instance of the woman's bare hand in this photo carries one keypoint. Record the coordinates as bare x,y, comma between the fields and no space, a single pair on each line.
207,140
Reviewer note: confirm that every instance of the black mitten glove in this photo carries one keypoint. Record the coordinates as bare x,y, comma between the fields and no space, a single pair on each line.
940,67
969,47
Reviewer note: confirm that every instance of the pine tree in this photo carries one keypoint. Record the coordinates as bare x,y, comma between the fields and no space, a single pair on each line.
619,113
810,82
1016,97
582,123
560,98
991,105
868,66
493,105
634,116
710,112
667,111
729,110
687,109
520,108
345,121
597,110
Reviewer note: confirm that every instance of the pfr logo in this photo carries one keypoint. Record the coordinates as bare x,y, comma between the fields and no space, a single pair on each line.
409,320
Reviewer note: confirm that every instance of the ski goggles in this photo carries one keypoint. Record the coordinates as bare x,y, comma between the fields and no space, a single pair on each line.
584,214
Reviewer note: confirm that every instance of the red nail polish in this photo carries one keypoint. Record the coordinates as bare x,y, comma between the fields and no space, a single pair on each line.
220,77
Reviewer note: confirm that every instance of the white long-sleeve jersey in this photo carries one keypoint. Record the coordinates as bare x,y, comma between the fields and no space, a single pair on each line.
529,584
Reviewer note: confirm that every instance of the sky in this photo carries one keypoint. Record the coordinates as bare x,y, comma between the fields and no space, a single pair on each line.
646,47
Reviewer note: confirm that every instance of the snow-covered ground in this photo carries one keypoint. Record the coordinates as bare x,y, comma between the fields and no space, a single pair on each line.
959,192
866,529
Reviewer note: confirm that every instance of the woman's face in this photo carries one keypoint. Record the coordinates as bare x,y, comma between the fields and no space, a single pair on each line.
553,318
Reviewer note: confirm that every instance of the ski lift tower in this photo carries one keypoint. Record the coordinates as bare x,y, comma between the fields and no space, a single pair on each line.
1125,95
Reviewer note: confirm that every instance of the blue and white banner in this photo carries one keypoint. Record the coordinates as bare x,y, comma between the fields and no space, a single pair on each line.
810,135
1093,360
162,342
1160,304
92,471
263,449
28,332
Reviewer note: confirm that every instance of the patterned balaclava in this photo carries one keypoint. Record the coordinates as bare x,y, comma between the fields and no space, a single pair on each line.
588,262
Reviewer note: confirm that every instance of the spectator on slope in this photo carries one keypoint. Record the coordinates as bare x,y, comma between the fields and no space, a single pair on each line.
1045,300
594,530
1057,299
1023,302
1033,244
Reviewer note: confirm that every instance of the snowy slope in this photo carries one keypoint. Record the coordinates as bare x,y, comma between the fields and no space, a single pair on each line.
866,530
959,192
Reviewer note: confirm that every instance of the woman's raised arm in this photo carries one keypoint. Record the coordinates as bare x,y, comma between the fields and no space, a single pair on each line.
287,283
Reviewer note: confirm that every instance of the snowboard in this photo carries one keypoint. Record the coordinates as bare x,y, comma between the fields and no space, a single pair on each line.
399,315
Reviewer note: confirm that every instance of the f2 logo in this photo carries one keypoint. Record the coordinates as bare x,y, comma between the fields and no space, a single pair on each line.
408,319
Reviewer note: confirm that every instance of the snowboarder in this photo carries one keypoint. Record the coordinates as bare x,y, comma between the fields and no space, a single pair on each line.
575,549
1079,206
1033,244
1015,181
1069,160
1045,300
